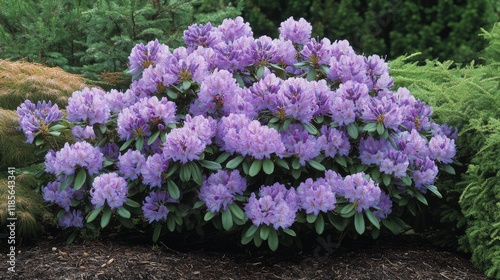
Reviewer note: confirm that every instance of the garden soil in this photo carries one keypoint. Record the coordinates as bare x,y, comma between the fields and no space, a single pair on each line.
390,257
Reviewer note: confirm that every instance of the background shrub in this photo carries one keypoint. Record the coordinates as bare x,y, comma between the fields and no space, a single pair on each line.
439,29
468,98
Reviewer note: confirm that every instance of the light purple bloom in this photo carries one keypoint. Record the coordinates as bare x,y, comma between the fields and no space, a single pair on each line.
263,51
364,193
200,35
442,149
130,164
396,163
232,29
316,196
262,91
343,111
71,219
317,53
425,174
70,157
183,145
109,189
336,142
192,67
383,110
385,205
347,68
52,193
372,151
444,130
89,106
155,206
299,32
299,143
153,169
276,206
37,118
81,133
142,56
296,98
219,189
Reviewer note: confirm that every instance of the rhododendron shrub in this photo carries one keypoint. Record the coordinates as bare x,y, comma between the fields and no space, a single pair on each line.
268,138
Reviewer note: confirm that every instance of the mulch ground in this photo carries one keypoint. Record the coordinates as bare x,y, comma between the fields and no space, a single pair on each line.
401,257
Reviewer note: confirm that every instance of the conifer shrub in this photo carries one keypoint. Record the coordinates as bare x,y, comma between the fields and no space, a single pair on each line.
469,99
270,139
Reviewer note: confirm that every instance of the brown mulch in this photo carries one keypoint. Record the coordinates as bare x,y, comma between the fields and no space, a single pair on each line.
400,257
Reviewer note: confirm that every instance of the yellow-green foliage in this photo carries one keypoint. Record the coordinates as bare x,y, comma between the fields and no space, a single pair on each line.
14,151
30,209
22,80
468,98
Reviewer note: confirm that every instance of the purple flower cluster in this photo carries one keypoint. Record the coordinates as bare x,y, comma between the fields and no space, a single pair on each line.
143,56
364,193
153,169
316,196
218,191
276,206
149,113
37,118
70,157
237,133
109,189
130,164
299,143
155,206
71,219
52,193
89,106
299,32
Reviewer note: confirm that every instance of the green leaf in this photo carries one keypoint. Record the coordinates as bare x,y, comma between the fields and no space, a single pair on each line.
380,128
232,164
310,128
347,210
251,231
373,220
227,220
268,166
392,225
171,94
71,237
341,160
55,133
106,217
290,232
255,167
186,85
222,158
311,76
421,197
352,130
123,212
386,179
185,173
196,173
93,214
171,224
257,240
237,212
448,169
264,232
39,141
296,163
311,218
139,143
273,241
281,163
126,144
286,124
434,190
359,223
316,165
198,204
260,71
80,179
153,137
173,190
127,223
296,173
370,127
57,127
239,79
406,181
319,225
210,165
208,216
156,232
132,203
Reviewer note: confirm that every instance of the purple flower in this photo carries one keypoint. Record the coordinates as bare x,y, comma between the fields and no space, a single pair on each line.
155,79
138,119
261,92
71,219
232,29
263,51
316,196
299,32
37,118
444,130
383,110
317,53
396,163
192,67
200,35
152,170
52,193
372,151
88,105
286,54
297,99
385,206
130,164
182,145
413,145
425,173
203,127
364,193
347,68
109,189
276,206
155,206
82,134
442,149
375,68
219,189
299,143
343,111
143,56
336,142
70,157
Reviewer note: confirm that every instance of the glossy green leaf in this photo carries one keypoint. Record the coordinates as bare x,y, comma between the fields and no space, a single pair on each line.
210,165
123,212
153,137
132,203
311,218
359,223
106,217
208,216
80,179
290,232
273,241
268,166
264,232
235,162
352,130
237,212
319,225
373,220
380,128
251,231
173,190
281,163
316,165
255,167
227,220
93,214
434,190
156,232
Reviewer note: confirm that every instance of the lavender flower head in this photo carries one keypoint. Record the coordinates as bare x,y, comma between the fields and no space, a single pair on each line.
299,32
263,51
152,170
155,206
364,193
276,207
442,149
109,189
232,29
88,105
182,145
70,157
218,191
130,164
83,133
425,173
37,118
299,143
297,99
317,53
142,56
336,142
383,110
200,35
347,68
53,193
385,206
256,140
71,219
316,196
